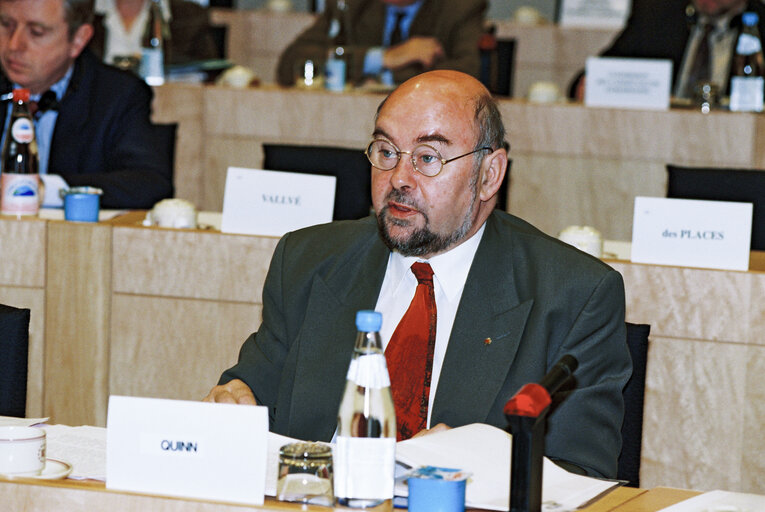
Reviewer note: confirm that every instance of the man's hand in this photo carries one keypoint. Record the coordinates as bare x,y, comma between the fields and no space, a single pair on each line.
425,50
232,392
432,430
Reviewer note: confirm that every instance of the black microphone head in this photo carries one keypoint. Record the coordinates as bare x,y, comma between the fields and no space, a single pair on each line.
48,101
569,362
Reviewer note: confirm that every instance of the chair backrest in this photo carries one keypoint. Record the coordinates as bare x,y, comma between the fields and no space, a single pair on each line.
497,67
632,428
503,188
14,351
164,140
720,184
353,190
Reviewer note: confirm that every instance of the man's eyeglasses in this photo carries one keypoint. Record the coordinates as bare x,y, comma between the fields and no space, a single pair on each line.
425,158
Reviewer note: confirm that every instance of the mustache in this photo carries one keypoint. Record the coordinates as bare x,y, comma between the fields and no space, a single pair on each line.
402,198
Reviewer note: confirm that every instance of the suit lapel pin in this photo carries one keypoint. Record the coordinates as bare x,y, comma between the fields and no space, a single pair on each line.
487,341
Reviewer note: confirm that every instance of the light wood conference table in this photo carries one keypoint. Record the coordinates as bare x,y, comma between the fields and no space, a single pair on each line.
87,496
119,308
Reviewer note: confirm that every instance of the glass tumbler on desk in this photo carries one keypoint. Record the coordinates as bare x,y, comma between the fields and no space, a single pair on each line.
305,474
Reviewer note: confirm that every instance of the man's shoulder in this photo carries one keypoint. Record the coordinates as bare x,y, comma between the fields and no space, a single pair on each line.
333,238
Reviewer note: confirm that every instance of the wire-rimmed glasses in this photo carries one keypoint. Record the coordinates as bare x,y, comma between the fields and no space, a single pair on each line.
425,158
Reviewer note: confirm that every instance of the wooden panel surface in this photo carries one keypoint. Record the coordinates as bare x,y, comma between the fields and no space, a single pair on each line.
175,348
78,303
22,252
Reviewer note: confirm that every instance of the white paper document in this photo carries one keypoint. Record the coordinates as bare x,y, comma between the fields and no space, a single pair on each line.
13,421
598,13
83,447
485,451
187,449
722,501
271,203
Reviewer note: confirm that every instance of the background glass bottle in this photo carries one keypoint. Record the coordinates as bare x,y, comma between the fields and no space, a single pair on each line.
20,181
364,457
747,84
336,68
155,46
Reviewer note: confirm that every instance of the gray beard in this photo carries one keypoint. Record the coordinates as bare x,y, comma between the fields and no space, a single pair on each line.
422,241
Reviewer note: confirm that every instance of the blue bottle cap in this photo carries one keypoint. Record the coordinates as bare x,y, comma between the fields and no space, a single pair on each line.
750,19
368,321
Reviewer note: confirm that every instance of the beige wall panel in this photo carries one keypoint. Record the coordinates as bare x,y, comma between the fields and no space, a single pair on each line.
554,192
193,264
34,300
221,153
688,303
175,348
753,460
756,309
693,424
183,104
576,130
22,252
77,322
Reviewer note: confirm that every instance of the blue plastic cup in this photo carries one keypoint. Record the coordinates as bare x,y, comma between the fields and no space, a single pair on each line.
81,207
436,495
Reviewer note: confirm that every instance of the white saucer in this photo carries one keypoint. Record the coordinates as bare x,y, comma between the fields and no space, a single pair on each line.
53,470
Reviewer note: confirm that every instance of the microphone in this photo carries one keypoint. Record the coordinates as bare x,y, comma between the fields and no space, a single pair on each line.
48,101
559,373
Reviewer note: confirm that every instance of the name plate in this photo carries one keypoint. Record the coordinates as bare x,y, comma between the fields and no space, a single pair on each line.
628,83
187,449
594,13
692,233
271,203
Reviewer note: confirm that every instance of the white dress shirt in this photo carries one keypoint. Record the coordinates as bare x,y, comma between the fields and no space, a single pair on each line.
450,271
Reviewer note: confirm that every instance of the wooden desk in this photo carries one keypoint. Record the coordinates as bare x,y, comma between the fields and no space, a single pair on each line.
118,308
78,496
570,164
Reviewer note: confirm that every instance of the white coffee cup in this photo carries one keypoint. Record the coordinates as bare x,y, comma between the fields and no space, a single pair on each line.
172,213
544,92
22,451
584,238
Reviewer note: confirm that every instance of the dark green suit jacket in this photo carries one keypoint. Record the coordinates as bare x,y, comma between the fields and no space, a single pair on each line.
536,298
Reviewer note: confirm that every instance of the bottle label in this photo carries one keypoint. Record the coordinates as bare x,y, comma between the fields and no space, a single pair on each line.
364,467
23,131
746,93
748,44
152,68
19,194
369,371
335,75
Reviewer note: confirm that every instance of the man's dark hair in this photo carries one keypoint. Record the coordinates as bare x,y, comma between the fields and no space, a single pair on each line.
491,130
77,13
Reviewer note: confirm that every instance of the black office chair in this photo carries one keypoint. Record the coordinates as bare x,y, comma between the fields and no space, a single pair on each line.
14,351
632,428
720,184
353,190
165,135
503,188
497,66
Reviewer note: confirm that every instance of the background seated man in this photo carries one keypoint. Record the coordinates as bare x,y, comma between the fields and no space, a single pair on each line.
119,26
674,30
93,128
510,301
435,34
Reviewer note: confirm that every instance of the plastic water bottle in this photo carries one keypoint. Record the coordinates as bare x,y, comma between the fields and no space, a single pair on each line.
365,454
747,82
20,181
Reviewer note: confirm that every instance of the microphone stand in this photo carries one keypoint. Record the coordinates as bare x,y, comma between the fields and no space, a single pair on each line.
526,412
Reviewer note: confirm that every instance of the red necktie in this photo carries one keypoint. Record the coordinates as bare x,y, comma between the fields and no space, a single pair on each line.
410,356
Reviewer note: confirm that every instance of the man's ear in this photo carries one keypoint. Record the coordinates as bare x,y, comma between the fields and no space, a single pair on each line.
493,171
80,39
